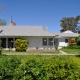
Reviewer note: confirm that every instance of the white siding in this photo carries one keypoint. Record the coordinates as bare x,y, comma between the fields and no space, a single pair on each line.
35,42
62,43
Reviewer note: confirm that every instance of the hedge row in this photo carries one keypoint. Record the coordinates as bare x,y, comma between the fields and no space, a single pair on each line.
72,47
39,68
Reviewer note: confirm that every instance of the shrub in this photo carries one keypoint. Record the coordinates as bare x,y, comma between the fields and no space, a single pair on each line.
72,47
72,41
40,68
8,67
0,47
78,40
21,45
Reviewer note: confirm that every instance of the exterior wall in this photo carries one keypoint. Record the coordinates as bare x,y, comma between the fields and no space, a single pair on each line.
36,42
61,42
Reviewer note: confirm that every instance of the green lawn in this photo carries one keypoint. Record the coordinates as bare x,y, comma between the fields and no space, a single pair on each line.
71,51
28,53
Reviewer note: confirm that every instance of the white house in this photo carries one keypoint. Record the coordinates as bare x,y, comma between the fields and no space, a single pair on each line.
37,37
63,38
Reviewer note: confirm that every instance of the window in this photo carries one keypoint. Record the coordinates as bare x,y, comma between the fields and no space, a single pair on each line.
50,41
44,41
66,40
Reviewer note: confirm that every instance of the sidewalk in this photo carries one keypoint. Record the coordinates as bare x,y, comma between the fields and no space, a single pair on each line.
62,52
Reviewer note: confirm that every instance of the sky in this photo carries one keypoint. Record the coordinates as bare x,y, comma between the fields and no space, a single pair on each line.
39,12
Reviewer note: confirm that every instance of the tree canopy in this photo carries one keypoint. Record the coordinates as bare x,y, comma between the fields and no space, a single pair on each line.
70,23
2,22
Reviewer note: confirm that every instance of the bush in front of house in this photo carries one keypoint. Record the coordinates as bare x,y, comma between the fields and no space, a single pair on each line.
72,41
8,66
78,40
39,68
21,45
72,47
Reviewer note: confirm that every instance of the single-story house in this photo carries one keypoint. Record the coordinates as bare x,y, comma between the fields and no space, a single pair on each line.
62,39
37,37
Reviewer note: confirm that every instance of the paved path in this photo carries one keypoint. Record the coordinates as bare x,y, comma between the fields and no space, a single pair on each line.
62,52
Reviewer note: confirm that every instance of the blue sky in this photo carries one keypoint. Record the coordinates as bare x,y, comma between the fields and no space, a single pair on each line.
39,12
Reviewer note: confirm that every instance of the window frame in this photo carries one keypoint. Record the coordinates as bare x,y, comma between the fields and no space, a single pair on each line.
44,43
66,40
50,41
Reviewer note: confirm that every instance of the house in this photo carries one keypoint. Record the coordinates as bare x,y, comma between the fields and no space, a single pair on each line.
62,39
37,37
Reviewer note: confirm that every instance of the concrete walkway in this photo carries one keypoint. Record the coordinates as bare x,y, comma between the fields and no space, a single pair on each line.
62,52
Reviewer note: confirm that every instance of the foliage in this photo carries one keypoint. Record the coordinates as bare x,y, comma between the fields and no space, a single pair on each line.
72,41
2,22
70,23
72,47
78,40
0,47
8,67
39,68
21,45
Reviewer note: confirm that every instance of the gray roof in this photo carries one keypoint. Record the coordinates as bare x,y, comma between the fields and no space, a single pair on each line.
60,35
24,31
31,31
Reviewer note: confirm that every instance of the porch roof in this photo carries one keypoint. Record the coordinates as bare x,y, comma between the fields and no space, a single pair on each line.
64,34
24,31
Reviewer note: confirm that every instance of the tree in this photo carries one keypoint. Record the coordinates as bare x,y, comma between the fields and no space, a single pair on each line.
70,23
2,22
77,29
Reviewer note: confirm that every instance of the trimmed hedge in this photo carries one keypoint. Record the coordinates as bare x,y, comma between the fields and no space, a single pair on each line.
40,68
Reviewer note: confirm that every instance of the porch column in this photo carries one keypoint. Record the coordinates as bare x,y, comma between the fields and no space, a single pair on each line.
6,42
13,42
53,43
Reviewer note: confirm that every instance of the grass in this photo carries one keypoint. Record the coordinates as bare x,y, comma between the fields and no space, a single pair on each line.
28,53
71,51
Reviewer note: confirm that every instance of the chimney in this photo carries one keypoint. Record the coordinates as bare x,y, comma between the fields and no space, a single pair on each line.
12,23
11,19
46,28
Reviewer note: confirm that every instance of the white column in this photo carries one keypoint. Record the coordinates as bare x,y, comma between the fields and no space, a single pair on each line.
53,42
13,42
6,43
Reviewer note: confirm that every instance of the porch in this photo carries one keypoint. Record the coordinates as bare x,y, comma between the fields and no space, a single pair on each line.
8,43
